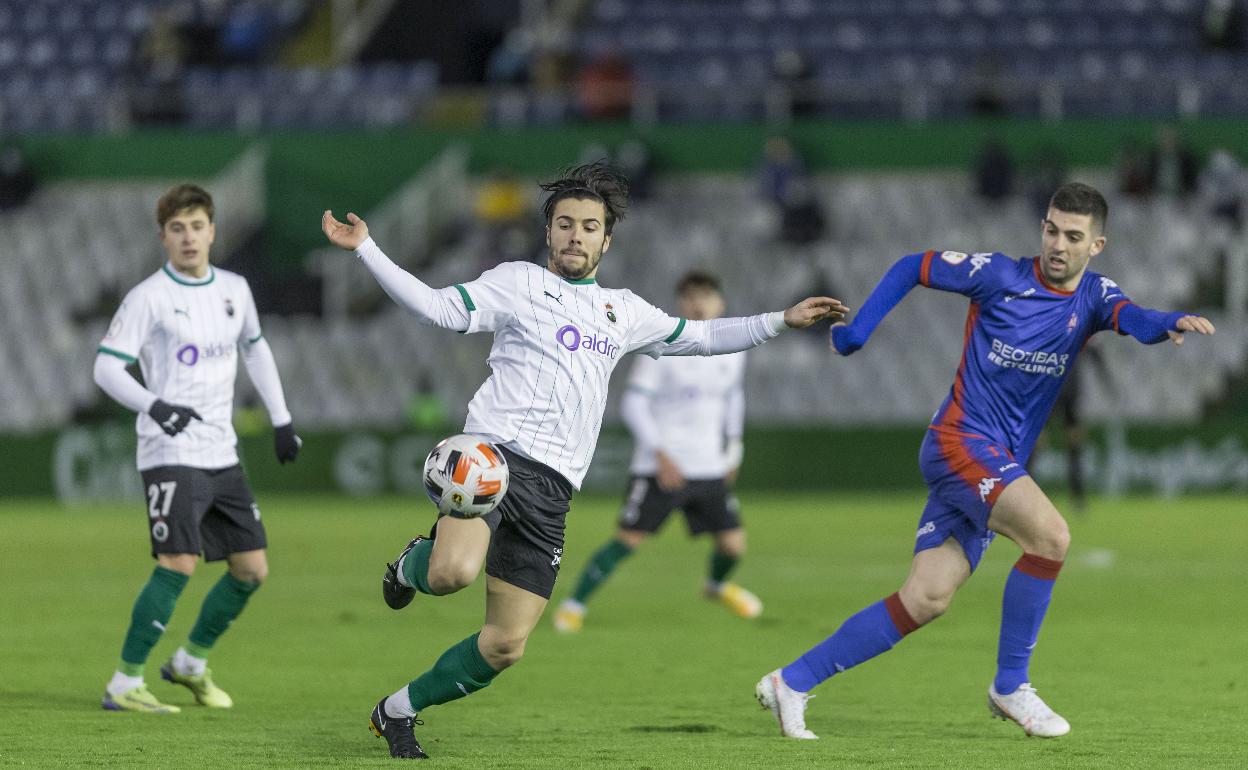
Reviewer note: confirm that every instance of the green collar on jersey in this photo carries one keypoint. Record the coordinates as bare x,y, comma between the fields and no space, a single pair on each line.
579,281
212,276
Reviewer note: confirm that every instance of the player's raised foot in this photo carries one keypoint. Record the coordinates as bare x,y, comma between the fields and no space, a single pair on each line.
1024,707
201,686
138,699
786,704
397,731
396,594
569,616
739,601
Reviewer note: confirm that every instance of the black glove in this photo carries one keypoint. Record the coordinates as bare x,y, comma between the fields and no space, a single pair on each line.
171,418
286,443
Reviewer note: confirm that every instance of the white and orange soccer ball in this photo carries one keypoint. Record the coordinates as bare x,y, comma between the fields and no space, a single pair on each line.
466,476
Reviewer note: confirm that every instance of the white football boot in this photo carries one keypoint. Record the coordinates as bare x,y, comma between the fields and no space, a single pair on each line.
788,705
1024,707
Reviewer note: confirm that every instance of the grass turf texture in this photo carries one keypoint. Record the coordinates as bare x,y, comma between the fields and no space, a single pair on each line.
1143,650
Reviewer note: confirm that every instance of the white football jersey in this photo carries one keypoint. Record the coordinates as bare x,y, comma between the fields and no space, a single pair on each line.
690,398
556,343
185,335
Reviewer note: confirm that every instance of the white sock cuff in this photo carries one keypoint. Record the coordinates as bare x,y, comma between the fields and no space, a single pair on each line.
399,705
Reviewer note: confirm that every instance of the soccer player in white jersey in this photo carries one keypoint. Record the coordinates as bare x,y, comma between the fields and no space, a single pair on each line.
686,416
557,337
184,325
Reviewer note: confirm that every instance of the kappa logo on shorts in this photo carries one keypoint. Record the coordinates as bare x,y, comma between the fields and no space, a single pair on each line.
255,511
558,557
927,529
986,486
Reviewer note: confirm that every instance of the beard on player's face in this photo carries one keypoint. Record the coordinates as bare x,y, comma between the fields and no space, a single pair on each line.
574,263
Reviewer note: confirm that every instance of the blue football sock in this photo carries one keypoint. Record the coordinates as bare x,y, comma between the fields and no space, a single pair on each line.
1027,593
861,637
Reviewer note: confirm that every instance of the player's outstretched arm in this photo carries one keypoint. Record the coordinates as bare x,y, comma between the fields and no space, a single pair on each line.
1153,326
732,335
442,308
892,288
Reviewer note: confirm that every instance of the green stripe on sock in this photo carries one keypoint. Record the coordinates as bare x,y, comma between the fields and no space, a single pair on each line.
151,613
462,670
416,566
222,605
722,565
195,650
599,568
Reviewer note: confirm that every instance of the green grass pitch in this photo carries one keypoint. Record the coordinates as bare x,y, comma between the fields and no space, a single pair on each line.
1145,649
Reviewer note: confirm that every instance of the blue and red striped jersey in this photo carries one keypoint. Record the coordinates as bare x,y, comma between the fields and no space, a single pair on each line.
1020,341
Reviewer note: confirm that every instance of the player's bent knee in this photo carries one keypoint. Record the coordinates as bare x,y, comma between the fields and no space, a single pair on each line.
1053,542
501,652
449,578
925,603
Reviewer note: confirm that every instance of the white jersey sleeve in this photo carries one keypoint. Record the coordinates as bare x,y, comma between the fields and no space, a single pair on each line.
129,328
250,332
491,298
436,307
653,330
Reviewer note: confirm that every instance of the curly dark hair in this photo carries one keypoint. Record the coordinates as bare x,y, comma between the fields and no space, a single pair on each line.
596,181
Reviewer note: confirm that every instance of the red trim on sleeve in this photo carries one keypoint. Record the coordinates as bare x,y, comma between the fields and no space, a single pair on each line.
1038,566
900,616
925,270
1117,310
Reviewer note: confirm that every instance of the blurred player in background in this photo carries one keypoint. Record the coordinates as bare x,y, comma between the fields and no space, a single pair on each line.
1069,406
557,337
184,325
1028,319
686,416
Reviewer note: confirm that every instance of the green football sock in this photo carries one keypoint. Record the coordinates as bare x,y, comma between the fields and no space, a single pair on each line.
222,604
722,565
415,566
462,670
151,613
599,568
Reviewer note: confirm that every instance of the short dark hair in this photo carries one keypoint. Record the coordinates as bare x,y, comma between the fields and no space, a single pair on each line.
1080,198
180,198
698,279
595,181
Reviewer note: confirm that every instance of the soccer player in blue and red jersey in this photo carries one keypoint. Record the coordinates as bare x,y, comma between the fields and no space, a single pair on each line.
1027,321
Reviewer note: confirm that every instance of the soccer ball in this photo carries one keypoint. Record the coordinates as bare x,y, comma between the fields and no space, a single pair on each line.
466,476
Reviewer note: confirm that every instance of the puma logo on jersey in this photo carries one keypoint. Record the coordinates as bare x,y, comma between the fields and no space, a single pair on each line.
986,486
180,311
558,299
